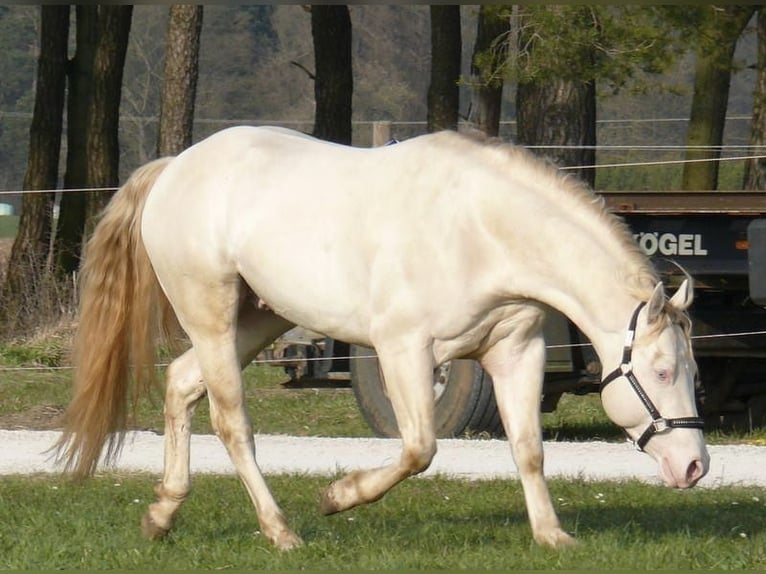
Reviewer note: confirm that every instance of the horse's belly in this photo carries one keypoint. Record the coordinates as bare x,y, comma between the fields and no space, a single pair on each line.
308,287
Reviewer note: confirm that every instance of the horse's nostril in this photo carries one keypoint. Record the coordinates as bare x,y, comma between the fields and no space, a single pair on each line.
694,472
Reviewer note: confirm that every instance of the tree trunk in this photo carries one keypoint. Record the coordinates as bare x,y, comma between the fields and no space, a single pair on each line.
180,83
446,51
334,81
755,169
558,110
712,77
491,37
560,113
29,254
93,119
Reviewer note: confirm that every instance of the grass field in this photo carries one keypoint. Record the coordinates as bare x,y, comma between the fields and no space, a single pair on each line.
9,224
53,523
424,523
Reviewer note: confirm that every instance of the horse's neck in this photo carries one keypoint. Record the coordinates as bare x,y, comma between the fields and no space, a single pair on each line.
594,290
602,316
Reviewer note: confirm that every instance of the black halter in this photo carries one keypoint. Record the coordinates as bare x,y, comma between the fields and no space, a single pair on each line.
659,424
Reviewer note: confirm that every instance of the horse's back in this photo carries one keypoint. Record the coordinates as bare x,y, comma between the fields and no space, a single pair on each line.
327,235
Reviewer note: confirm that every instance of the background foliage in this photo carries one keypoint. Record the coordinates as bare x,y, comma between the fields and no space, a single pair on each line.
248,74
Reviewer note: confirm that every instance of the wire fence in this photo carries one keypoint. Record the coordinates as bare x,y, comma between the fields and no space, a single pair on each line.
663,148
282,361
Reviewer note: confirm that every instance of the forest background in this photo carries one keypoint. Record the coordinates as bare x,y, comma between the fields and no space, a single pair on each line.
248,75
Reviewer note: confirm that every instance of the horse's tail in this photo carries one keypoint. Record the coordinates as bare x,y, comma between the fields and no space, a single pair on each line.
120,301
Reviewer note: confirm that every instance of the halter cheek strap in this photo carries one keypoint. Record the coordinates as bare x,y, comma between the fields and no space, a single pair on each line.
659,424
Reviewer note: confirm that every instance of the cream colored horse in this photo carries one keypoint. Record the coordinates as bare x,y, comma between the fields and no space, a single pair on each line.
440,247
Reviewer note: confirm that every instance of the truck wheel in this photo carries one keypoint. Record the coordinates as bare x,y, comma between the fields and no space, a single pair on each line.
463,396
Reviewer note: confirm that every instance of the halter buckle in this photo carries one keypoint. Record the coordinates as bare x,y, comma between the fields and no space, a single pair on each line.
626,368
660,425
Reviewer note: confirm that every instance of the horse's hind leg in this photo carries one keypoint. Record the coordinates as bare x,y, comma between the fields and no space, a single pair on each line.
185,386
184,389
409,383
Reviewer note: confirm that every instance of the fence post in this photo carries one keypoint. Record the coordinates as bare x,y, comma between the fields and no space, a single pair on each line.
381,133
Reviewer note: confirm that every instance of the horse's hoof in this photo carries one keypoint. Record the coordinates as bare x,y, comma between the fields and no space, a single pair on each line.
279,533
287,540
327,503
151,529
555,538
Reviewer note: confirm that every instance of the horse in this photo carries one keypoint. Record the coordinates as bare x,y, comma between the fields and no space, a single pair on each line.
444,246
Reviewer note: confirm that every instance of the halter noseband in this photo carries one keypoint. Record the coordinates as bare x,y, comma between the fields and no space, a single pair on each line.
659,424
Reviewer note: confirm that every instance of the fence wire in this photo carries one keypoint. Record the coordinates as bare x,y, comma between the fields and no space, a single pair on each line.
369,357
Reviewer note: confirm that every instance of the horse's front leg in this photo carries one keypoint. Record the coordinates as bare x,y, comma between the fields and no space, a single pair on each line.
516,366
408,376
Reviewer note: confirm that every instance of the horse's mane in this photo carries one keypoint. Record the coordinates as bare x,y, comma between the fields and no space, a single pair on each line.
640,277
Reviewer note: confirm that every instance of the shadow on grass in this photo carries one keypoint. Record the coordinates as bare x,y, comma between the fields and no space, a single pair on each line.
630,522
586,432
657,521
629,512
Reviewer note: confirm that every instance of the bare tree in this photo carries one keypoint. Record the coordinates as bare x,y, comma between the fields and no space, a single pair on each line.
446,50
142,88
26,266
333,79
180,83
95,83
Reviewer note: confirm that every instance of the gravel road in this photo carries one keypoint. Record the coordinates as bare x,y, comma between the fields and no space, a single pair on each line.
23,452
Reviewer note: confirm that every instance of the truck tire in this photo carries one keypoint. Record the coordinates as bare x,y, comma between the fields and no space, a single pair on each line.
463,395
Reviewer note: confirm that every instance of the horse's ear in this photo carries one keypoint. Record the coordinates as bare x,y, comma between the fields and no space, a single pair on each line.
683,298
656,303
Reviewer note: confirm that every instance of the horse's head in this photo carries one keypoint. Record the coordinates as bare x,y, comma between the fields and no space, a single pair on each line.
651,393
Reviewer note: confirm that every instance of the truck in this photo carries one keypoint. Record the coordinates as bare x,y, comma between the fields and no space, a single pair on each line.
717,237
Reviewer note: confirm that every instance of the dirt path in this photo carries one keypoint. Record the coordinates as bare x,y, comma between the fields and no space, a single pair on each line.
23,452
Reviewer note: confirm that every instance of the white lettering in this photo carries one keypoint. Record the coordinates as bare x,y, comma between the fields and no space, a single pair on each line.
698,249
668,244
685,244
648,243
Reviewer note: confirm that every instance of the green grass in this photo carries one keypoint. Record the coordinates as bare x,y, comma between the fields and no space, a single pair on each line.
9,224
54,523
272,409
657,177
34,374
275,410
48,523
